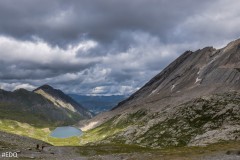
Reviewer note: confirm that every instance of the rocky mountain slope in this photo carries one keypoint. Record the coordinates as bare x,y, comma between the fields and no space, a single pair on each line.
8,140
193,101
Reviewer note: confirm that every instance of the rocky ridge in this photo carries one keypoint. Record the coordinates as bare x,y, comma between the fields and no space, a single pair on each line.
193,101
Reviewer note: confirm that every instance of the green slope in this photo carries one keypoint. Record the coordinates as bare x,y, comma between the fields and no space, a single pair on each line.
29,114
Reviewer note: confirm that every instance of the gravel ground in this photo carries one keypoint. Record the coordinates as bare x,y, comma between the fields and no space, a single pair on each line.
69,153
26,148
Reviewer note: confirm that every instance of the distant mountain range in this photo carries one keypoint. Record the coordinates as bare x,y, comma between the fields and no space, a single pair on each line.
98,104
194,101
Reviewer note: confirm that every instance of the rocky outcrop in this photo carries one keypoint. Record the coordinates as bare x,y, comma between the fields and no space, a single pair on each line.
8,140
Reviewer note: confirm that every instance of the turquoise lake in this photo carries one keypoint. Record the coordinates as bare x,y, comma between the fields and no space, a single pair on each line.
65,132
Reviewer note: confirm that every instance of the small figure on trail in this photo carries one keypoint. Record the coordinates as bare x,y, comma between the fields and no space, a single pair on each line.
43,147
37,147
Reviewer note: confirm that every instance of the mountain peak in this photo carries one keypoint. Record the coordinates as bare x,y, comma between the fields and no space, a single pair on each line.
44,87
20,90
60,99
233,44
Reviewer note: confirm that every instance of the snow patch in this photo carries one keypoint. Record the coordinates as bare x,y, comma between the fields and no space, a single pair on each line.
198,80
173,86
153,92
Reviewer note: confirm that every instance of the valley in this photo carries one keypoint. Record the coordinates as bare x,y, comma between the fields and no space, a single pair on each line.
190,110
98,104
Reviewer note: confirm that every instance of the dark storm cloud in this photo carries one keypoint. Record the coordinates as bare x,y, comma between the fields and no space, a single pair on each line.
38,60
62,22
30,70
105,46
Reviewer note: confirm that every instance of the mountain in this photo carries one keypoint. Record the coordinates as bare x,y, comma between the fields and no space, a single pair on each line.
194,101
63,101
35,113
43,107
28,107
98,104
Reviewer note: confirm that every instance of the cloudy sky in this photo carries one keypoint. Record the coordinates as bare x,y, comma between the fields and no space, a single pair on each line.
105,46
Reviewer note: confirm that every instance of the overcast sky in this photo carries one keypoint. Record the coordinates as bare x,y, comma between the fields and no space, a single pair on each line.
105,46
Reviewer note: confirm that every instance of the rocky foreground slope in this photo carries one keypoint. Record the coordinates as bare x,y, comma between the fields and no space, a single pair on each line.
193,101
28,148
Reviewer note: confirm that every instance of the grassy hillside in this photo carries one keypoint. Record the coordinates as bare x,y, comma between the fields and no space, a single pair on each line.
106,132
29,114
32,125
36,132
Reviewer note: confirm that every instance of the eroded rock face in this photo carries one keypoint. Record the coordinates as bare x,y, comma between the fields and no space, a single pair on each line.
193,101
